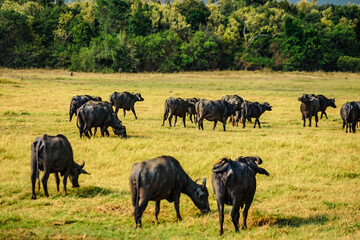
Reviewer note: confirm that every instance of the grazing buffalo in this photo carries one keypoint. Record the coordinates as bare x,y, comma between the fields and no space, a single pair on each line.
79,100
234,183
253,110
125,100
163,178
99,114
237,101
175,107
215,111
191,111
310,106
324,103
53,154
350,114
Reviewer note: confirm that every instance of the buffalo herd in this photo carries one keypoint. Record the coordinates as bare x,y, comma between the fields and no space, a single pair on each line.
233,181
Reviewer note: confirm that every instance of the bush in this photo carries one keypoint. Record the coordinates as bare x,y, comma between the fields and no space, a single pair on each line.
348,64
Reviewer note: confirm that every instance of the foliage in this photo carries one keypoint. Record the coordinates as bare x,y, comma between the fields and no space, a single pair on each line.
348,64
223,34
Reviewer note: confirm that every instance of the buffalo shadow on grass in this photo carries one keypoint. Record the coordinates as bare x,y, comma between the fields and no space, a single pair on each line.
94,191
291,221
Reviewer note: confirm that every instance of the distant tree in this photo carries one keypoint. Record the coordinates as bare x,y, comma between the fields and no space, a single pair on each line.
195,12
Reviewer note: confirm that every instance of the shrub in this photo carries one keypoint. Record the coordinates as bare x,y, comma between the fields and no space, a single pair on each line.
348,64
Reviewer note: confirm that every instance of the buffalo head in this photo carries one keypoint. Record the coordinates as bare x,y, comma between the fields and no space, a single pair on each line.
268,107
76,170
201,197
304,98
138,97
332,103
73,107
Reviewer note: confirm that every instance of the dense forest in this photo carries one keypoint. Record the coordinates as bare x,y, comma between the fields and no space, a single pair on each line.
180,35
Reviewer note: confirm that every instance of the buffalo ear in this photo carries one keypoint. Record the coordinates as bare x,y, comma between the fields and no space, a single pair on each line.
82,165
204,183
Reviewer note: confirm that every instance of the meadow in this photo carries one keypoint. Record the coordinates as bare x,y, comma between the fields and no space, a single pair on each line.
313,191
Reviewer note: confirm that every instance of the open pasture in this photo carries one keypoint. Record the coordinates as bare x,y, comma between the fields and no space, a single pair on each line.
313,191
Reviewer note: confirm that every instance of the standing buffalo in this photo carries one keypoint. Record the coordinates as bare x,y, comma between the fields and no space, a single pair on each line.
79,100
253,110
324,103
163,178
350,114
237,101
191,111
215,111
234,183
175,107
310,106
125,100
99,114
53,154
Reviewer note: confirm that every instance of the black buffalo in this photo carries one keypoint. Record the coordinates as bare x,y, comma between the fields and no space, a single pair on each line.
77,101
53,154
350,114
163,178
191,111
253,110
99,114
237,101
310,106
214,111
234,183
175,107
324,103
125,100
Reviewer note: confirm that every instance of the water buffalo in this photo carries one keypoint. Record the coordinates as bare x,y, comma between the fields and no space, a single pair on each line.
215,111
253,110
163,178
350,114
125,100
53,154
324,103
99,114
191,111
234,183
77,101
310,106
175,107
237,101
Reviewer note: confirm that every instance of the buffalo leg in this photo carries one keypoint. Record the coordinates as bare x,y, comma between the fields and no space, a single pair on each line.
157,210
255,122
175,121
245,213
316,120
170,118
139,212
190,116
184,120
33,179
243,122
224,125
235,215
44,180
124,112
177,207
310,117
258,122
57,180
214,125
116,111
220,204
133,110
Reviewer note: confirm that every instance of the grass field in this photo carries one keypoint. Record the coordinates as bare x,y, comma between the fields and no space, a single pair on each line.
313,191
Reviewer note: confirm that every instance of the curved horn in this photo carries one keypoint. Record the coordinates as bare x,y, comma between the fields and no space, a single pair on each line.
204,183
258,160
197,180
84,172
82,165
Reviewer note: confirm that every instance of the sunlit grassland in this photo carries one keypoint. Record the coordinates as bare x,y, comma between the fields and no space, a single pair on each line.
312,192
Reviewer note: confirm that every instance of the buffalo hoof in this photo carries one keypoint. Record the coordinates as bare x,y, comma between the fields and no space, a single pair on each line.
33,197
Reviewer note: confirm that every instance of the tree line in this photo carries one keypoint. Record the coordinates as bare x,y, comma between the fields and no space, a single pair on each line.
182,35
